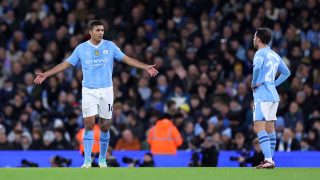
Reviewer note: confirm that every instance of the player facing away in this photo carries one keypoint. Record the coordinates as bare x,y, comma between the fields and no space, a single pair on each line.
96,57
266,64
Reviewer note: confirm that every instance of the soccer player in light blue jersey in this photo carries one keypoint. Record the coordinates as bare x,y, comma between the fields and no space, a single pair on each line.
96,57
266,64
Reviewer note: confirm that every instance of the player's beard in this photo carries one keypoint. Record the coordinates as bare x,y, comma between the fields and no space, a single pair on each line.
98,39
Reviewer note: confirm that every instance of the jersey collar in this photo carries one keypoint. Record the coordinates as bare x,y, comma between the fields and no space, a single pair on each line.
95,46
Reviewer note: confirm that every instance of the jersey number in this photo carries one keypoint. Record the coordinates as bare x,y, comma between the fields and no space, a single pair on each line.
110,108
273,67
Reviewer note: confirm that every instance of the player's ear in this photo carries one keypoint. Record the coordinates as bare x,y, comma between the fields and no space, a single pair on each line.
258,40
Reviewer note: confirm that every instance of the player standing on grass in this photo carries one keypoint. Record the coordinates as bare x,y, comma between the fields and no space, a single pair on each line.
96,57
266,64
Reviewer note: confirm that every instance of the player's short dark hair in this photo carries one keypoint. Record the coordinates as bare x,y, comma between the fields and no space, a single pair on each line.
265,35
94,23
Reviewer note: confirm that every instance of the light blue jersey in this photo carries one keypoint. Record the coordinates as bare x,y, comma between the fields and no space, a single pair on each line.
266,64
96,62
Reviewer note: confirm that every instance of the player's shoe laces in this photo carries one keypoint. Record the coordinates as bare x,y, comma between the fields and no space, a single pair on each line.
103,164
266,165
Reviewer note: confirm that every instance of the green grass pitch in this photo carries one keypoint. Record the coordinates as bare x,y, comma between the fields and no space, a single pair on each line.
159,174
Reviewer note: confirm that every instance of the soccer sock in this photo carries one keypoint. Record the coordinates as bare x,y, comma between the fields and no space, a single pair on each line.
104,143
265,145
273,142
87,143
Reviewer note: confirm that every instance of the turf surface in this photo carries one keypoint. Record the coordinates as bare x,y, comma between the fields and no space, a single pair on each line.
159,174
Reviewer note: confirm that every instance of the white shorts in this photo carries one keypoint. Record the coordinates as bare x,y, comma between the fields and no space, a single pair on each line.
97,101
265,111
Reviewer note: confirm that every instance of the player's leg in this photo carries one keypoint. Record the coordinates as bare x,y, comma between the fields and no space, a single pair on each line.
272,136
88,140
105,114
270,126
104,140
89,110
259,128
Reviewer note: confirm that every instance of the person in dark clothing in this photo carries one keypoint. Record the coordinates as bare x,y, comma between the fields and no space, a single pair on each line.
37,143
288,142
209,153
257,156
60,143
147,160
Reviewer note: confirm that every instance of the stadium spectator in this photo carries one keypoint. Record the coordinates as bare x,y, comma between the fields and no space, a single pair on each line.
128,141
164,137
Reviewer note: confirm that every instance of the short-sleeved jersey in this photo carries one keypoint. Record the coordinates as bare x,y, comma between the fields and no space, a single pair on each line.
96,62
269,63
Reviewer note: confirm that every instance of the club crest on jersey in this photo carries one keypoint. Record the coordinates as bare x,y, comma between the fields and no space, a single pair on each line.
105,51
96,52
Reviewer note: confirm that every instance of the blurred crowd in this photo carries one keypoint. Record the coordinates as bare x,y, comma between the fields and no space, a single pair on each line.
202,48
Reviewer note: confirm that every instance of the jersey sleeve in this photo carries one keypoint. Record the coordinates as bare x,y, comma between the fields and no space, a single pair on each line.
118,54
74,59
258,60
285,73
283,69
257,65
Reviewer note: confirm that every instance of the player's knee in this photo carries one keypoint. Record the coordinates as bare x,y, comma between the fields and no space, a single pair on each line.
257,129
89,125
104,126
269,129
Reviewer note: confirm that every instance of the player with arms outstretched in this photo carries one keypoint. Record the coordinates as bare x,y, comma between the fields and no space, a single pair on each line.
96,57
266,64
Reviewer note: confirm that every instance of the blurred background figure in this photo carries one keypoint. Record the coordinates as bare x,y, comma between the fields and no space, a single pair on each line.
253,159
164,137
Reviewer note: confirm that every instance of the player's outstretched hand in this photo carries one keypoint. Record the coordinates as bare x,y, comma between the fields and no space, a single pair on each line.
40,78
152,71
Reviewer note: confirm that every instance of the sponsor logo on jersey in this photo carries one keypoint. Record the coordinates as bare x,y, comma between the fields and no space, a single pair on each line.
96,62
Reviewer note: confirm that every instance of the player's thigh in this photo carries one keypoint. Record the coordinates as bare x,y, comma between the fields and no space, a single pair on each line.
267,109
272,111
257,112
89,103
106,104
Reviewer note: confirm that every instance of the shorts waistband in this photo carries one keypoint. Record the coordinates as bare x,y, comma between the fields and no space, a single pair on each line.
98,89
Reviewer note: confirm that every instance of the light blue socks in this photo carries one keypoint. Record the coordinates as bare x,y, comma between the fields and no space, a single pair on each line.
273,142
104,143
87,142
265,145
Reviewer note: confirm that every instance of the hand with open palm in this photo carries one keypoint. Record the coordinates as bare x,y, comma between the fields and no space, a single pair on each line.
40,78
151,70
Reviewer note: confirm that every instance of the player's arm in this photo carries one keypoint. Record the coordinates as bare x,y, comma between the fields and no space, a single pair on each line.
285,73
257,65
135,63
58,68
71,61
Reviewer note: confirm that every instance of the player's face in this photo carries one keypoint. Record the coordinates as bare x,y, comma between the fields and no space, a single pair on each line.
97,33
255,45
